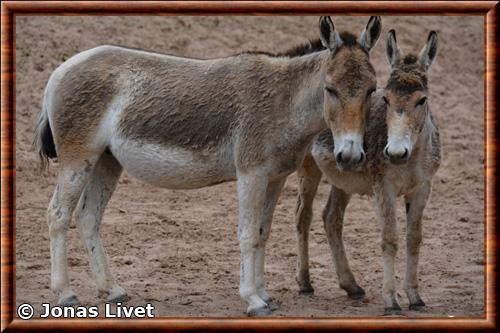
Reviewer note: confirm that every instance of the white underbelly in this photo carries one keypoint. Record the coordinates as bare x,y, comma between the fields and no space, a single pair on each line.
173,167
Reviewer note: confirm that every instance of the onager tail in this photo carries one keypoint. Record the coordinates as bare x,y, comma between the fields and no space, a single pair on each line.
43,140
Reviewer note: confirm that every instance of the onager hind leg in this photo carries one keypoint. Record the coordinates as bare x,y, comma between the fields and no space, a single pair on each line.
89,213
72,178
333,219
415,204
273,192
309,177
385,205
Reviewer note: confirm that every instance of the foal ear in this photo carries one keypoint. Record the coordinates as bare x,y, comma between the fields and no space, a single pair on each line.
392,49
370,35
330,38
429,51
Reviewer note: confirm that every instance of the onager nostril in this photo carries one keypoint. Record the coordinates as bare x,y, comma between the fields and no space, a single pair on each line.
362,158
405,154
386,152
338,158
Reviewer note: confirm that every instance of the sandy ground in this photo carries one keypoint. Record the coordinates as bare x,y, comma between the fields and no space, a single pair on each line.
178,249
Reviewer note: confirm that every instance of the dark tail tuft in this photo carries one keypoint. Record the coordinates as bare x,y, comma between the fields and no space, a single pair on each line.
44,141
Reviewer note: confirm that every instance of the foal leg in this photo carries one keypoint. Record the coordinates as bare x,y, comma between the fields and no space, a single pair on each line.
309,177
72,178
333,219
273,192
415,204
385,202
89,213
252,188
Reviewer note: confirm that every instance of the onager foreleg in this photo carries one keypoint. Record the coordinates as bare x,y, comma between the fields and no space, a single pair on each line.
333,219
309,178
385,204
252,188
415,204
273,192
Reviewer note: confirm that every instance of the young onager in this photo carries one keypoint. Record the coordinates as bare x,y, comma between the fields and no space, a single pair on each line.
402,155
185,123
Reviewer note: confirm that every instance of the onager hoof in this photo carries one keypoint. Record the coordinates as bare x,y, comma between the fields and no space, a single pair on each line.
273,306
419,305
355,292
259,312
70,300
117,295
394,311
306,289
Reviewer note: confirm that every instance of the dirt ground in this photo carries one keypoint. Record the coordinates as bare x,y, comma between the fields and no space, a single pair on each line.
178,249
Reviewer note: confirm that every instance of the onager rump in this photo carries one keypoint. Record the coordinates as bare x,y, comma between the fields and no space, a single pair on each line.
402,156
185,123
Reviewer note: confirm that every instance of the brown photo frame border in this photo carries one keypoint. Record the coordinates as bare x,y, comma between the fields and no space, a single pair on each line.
10,9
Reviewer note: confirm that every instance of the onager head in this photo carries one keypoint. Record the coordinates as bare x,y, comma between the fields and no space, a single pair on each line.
349,82
406,97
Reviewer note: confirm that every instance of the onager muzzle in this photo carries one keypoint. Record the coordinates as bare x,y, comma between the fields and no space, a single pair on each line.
349,152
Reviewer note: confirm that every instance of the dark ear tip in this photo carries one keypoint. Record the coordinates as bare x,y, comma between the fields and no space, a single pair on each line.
433,33
392,33
325,19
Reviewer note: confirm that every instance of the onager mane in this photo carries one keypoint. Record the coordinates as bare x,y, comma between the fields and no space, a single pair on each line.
313,45
408,76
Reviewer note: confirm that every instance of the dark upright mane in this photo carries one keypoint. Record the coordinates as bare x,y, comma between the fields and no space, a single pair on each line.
311,46
408,76
308,47
303,49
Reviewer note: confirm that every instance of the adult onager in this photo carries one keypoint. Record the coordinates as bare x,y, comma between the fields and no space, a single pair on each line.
403,154
184,123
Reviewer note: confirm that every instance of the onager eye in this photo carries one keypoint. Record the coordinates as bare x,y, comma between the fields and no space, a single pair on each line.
422,101
385,100
331,90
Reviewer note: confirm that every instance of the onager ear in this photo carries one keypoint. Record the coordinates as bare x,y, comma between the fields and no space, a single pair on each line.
370,35
392,50
330,38
429,51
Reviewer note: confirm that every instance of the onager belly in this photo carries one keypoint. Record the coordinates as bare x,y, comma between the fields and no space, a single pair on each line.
173,167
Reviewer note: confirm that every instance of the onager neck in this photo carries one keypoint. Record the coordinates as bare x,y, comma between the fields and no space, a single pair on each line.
306,75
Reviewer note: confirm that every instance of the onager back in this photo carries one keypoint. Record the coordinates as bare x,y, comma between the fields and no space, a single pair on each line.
185,123
403,154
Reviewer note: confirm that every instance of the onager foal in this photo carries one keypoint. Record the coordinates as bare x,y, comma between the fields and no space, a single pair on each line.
403,154
185,123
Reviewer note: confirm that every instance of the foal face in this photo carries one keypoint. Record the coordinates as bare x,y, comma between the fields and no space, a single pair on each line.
348,84
406,98
406,113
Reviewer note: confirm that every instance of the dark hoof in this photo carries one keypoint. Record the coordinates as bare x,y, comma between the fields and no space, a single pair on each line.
356,294
70,301
306,290
394,311
272,305
120,299
420,305
261,312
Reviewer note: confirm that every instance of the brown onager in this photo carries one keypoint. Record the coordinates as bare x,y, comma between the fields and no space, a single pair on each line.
403,154
185,123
